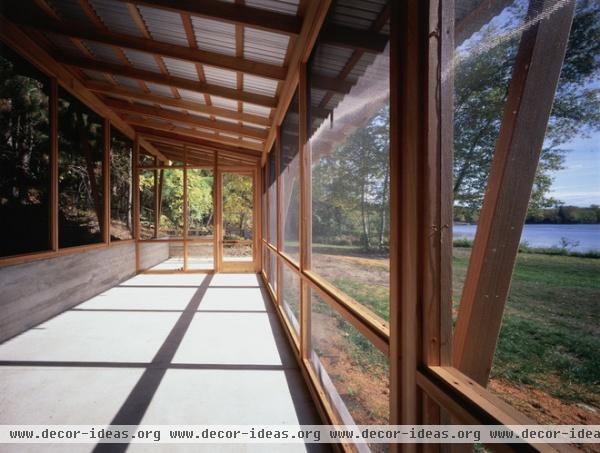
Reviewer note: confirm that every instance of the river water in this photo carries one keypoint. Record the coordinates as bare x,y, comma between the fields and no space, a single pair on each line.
582,238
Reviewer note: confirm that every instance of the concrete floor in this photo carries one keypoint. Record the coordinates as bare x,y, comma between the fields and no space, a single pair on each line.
158,349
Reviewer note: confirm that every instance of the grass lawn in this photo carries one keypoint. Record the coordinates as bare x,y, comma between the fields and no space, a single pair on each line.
549,344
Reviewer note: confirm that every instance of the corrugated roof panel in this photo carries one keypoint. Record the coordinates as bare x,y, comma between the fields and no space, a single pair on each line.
64,44
199,114
256,109
141,60
330,60
265,46
126,82
180,68
357,13
103,52
218,101
279,6
214,36
161,90
228,120
163,25
252,140
116,16
228,135
221,77
71,11
191,95
206,131
260,85
94,75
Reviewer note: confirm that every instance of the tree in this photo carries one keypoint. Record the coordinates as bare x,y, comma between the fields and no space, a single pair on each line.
482,77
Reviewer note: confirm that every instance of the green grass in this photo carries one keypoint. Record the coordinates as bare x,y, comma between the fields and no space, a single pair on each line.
550,335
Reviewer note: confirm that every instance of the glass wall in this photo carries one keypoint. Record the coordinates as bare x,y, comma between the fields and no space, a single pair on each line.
290,295
80,161
350,149
24,156
272,168
200,203
121,186
289,181
170,193
147,204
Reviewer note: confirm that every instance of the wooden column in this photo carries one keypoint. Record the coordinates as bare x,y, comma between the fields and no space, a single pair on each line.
155,190
531,93
278,219
106,184
136,201
305,210
218,218
185,210
409,28
215,235
54,244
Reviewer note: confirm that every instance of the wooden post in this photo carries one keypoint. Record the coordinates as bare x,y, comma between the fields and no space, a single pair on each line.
278,224
54,208
156,201
106,183
531,93
185,210
215,235
219,219
305,210
136,201
408,47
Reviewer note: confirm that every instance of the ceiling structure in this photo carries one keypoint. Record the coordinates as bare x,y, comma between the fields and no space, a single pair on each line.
207,73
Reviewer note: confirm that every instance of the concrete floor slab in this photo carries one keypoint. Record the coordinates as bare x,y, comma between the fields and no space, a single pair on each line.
158,349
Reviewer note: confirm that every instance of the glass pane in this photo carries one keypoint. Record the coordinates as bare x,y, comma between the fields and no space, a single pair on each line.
147,205
24,157
353,372
237,206
289,180
273,271
240,252
548,351
170,186
349,140
290,289
263,200
80,152
200,199
200,256
121,180
272,198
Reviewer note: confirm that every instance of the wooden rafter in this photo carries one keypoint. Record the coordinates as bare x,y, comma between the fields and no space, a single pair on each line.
231,13
180,117
178,82
100,87
167,127
156,47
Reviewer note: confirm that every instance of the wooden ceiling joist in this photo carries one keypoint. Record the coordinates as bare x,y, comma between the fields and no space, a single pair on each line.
181,117
194,55
232,13
172,81
149,125
20,41
129,93
355,39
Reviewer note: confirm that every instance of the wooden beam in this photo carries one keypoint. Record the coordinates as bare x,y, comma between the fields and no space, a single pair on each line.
526,113
407,151
22,43
129,93
172,81
175,139
315,16
181,117
54,244
148,125
164,49
232,13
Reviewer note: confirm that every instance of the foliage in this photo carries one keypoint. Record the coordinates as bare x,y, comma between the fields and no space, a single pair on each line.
351,189
482,76
24,156
237,206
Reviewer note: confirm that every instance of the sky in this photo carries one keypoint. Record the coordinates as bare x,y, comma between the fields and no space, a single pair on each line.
579,183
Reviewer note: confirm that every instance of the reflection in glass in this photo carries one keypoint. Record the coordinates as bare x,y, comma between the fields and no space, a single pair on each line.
80,152
24,157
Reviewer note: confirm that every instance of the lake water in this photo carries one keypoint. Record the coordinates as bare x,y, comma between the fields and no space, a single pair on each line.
588,236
